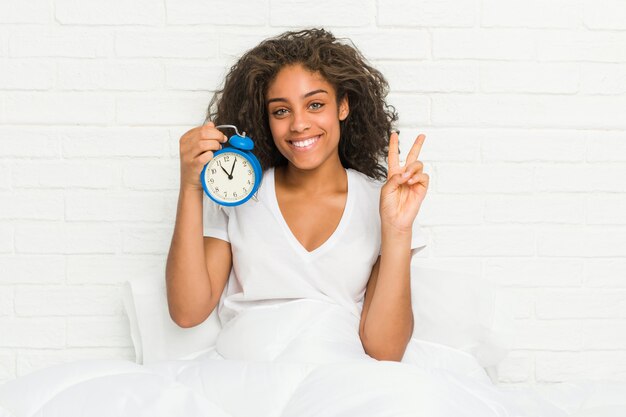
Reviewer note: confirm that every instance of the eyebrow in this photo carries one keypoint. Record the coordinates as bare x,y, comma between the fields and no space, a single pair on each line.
310,93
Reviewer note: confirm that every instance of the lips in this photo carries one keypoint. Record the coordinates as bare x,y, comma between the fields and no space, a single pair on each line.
305,143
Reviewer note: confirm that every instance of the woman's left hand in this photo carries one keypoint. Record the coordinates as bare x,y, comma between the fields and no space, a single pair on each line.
406,186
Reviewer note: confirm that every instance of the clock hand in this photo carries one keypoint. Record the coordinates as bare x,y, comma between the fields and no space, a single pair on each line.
225,172
230,176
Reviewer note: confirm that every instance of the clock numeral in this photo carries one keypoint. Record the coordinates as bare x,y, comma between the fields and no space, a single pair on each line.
245,163
217,189
225,193
212,180
249,183
234,194
226,158
245,190
249,171
213,171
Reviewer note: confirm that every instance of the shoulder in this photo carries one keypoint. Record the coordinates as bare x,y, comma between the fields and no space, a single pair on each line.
365,187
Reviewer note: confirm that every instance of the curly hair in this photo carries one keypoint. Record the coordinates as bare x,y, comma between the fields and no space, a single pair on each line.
364,134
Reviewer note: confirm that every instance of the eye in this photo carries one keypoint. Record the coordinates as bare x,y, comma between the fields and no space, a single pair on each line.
278,112
317,104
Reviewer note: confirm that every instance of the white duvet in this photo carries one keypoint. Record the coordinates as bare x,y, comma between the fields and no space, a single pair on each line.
298,360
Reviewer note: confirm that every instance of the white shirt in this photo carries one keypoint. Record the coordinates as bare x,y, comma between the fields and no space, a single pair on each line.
270,266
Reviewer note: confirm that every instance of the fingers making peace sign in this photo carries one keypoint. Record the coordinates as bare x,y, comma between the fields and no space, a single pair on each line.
406,186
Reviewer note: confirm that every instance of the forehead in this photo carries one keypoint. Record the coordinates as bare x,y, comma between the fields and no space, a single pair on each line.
295,80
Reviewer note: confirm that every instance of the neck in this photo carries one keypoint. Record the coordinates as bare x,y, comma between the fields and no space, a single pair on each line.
328,178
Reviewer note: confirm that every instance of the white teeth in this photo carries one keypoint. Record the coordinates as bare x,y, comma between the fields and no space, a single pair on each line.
305,143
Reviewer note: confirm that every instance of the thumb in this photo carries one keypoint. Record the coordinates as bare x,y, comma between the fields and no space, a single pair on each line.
209,123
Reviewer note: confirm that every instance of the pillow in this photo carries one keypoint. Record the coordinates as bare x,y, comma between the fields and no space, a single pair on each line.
449,308
154,334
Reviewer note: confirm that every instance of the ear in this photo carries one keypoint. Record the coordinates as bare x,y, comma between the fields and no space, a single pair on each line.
344,108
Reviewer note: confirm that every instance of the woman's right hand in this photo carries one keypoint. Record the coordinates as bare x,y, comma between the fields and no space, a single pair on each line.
196,149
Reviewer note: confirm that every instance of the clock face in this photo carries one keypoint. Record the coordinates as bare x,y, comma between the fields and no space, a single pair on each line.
229,177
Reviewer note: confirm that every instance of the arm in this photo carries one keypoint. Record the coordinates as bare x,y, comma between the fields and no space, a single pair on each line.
197,267
387,316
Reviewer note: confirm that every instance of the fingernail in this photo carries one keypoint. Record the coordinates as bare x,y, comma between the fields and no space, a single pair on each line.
406,175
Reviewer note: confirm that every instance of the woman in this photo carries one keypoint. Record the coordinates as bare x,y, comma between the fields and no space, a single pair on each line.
317,113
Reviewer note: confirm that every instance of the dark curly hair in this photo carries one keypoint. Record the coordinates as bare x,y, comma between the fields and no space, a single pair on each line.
364,134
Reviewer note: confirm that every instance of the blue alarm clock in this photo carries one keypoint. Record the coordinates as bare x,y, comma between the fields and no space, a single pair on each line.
234,174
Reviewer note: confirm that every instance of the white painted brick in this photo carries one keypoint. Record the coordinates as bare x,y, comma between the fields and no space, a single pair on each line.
516,77
606,209
67,300
115,142
588,242
529,111
32,205
67,238
580,303
31,360
547,334
483,241
594,365
113,12
7,366
489,178
581,178
604,334
233,45
52,108
499,145
115,206
61,43
98,332
22,74
5,176
32,269
429,13
6,301
151,176
6,238
40,332
509,44
605,273
443,209
220,12
163,109
390,44
62,174
166,44
516,367
430,77
28,143
518,303
16,11
541,208
194,77
579,45
413,109
606,146
300,13
603,78
462,266
142,240
530,14
446,145
534,272
604,14
109,75
113,269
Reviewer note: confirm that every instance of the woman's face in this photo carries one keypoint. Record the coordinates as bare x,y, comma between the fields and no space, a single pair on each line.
304,117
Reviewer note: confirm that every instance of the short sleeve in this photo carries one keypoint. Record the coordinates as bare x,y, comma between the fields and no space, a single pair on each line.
418,238
214,220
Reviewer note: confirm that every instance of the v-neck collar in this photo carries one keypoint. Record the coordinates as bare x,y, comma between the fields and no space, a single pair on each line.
336,234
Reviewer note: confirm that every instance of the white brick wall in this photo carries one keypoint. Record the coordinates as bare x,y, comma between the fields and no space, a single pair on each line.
523,106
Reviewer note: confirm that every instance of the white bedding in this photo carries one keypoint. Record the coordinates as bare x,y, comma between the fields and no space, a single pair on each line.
258,369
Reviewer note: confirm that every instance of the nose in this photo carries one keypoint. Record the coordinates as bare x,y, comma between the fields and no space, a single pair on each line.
299,122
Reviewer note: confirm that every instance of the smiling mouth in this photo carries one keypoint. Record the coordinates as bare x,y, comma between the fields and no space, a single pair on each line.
304,144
